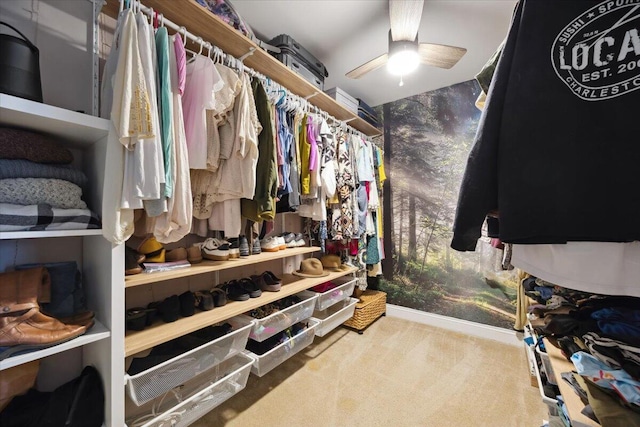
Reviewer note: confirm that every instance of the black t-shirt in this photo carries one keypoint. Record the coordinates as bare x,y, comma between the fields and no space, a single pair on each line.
557,151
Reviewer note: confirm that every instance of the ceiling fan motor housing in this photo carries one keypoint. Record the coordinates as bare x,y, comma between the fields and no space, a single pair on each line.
400,45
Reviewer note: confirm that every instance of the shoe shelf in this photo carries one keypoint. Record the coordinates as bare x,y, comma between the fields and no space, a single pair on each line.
201,22
137,341
207,266
97,332
573,403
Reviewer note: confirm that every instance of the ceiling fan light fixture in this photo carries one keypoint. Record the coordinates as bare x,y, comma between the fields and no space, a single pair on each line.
403,56
403,62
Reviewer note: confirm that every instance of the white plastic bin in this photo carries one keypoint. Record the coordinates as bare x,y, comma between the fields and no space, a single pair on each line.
339,293
552,404
546,366
189,403
282,319
334,316
274,357
153,382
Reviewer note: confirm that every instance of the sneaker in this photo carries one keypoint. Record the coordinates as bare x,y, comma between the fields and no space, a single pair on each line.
300,240
289,239
255,247
250,287
243,247
235,291
270,244
281,243
234,248
215,249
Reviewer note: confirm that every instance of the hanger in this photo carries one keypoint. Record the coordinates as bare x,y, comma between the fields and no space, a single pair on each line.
183,30
194,53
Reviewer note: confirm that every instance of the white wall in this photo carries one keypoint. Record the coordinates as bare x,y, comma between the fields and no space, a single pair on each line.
62,31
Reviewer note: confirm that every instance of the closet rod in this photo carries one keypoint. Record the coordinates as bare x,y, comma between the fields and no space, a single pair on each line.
235,62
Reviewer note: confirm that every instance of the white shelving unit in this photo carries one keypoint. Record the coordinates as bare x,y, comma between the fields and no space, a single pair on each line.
97,332
101,263
106,345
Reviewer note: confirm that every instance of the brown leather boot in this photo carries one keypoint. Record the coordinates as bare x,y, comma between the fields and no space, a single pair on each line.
22,325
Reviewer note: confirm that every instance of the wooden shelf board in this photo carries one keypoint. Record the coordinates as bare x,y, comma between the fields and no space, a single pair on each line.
202,22
11,235
211,266
574,404
76,128
159,333
97,332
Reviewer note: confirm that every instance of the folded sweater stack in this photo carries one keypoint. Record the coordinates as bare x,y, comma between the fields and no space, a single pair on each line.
39,190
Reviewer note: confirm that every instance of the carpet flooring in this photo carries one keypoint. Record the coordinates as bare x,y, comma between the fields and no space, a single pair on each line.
398,373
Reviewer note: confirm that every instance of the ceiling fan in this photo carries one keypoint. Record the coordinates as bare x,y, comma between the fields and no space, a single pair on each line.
405,53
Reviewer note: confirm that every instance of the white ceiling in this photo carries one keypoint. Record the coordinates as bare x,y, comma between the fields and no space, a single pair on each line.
343,34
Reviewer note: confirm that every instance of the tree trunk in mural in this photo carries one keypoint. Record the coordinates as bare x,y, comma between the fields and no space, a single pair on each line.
400,230
387,205
412,253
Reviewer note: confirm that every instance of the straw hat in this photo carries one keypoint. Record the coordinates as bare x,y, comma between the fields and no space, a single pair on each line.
311,267
333,262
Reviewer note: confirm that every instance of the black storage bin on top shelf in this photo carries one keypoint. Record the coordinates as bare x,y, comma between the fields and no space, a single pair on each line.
299,59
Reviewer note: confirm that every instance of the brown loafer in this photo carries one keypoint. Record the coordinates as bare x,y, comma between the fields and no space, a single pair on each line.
177,254
194,254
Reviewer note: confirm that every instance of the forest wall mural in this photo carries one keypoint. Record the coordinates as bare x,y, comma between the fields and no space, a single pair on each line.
427,140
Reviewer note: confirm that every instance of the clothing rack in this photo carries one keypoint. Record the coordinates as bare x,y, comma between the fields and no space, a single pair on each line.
236,63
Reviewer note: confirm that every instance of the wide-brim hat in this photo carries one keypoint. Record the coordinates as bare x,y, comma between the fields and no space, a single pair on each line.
311,267
333,262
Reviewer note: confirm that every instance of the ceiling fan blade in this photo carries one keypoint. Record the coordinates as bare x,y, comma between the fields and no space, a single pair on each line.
440,55
374,64
405,18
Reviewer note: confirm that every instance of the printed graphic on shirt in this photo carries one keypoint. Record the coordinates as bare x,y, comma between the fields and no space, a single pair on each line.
597,55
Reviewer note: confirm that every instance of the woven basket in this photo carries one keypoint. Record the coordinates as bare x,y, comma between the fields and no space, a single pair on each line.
371,306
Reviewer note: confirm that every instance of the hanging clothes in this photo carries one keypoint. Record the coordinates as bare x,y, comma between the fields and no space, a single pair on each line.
236,175
304,148
153,171
202,83
220,123
125,102
174,224
165,107
342,216
556,148
263,204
